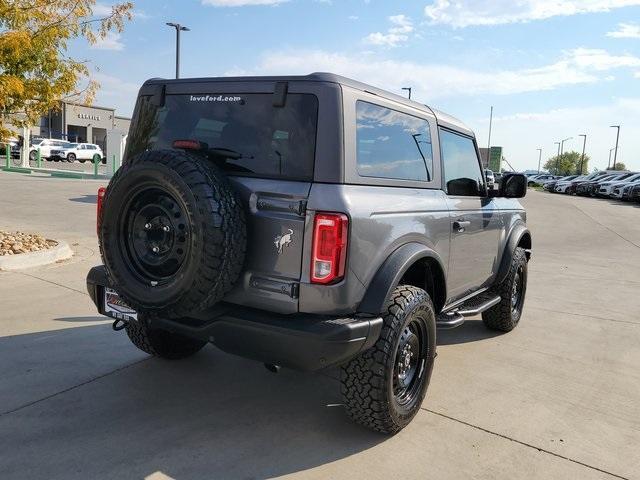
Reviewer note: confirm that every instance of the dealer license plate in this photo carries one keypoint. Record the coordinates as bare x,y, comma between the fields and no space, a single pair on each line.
116,308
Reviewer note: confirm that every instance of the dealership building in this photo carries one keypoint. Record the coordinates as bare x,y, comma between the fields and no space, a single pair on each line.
81,124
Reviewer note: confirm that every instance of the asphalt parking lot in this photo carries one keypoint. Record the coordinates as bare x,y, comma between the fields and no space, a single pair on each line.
559,397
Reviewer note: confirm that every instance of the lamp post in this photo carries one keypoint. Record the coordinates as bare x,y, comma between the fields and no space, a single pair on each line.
558,156
539,158
561,152
615,153
584,144
179,28
408,89
609,164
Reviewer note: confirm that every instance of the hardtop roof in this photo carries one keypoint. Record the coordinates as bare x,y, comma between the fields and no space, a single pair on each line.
443,118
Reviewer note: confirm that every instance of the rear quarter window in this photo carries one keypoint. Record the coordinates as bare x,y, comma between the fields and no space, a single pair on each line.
392,144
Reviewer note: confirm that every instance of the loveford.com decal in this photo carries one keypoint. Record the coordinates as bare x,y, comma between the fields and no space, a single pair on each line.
214,98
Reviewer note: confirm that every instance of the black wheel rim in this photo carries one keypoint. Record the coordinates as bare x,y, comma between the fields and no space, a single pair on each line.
155,233
409,363
517,290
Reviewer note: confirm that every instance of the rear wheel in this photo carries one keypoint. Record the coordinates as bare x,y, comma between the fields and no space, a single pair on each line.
383,387
161,343
72,158
97,158
505,315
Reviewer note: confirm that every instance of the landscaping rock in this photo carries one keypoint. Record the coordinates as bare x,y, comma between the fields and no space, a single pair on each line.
16,243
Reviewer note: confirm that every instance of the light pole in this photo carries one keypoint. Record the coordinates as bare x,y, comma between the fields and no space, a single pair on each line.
408,89
489,139
561,153
179,28
539,159
557,157
615,153
584,144
609,164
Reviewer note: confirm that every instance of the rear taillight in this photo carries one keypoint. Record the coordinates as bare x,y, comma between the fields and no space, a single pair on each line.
187,144
329,251
101,192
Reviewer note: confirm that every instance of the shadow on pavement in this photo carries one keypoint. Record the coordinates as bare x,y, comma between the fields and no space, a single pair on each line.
95,318
469,331
210,416
85,199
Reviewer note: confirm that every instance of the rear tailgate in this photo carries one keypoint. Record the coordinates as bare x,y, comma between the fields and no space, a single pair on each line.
275,233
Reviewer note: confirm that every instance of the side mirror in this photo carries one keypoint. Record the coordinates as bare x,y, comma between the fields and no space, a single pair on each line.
513,185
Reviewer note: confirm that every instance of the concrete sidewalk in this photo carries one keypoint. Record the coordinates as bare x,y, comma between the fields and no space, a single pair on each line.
559,397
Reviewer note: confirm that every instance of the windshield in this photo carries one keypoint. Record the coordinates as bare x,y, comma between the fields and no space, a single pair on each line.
244,133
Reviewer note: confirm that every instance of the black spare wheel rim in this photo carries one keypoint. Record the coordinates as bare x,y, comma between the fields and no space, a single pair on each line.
173,233
410,359
155,233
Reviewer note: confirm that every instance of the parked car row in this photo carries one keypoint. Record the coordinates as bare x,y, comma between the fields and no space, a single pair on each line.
604,184
56,150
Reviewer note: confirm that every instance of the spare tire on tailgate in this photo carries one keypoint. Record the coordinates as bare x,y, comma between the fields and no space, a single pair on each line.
173,233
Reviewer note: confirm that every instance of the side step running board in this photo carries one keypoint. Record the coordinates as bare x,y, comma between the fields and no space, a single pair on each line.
449,320
474,306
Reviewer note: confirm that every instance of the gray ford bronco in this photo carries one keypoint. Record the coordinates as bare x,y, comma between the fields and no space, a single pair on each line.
307,222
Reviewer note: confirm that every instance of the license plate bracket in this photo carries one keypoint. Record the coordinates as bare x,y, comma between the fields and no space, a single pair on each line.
115,307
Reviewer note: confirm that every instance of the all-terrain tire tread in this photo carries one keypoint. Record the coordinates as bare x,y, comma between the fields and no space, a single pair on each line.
363,379
500,316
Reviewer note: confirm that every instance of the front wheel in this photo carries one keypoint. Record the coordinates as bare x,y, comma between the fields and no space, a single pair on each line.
384,386
161,343
71,157
505,315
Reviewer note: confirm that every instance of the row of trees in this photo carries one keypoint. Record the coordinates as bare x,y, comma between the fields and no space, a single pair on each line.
570,163
35,70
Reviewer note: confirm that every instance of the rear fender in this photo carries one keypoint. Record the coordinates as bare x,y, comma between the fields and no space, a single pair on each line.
389,274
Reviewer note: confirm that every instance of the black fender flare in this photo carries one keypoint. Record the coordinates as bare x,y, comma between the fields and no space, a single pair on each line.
519,233
389,274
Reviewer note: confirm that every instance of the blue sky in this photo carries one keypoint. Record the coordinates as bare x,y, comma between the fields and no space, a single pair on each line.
551,69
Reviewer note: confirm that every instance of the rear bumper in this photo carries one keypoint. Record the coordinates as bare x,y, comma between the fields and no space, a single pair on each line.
299,341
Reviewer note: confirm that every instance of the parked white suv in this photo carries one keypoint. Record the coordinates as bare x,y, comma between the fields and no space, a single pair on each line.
79,151
46,145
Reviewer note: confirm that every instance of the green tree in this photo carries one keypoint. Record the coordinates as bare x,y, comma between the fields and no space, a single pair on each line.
35,70
620,166
567,164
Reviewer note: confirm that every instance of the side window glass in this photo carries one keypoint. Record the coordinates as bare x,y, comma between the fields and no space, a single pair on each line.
392,144
462,172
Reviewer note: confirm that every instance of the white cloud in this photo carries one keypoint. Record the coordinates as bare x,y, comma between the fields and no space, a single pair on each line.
241,3
110,42
397,34
353,17
626,30
116,92
514,133
101,10
463,13
431,81
636,75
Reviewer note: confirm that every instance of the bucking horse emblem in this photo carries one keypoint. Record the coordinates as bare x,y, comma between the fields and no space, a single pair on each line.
282,241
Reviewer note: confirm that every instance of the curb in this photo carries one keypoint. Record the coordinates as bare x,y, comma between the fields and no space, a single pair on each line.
36,259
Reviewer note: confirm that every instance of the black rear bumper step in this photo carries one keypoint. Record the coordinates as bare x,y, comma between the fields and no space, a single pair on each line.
298,341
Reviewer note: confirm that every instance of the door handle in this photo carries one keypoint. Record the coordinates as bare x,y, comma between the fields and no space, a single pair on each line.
460,225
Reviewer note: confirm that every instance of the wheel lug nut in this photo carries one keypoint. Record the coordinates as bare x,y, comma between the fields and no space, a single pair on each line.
165,228
155,249
147,226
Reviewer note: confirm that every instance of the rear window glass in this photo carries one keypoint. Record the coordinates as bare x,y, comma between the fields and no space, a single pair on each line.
244,134
392,144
